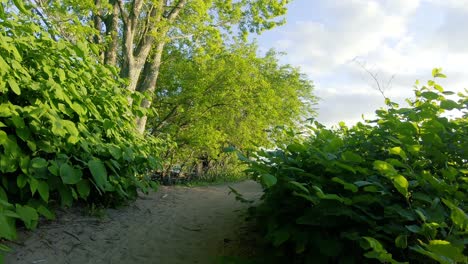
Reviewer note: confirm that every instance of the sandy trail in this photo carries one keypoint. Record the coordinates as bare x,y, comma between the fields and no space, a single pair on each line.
173,225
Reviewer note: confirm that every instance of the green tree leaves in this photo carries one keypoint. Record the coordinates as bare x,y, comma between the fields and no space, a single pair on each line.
402,198
14,86
69,174
99,173
55,109
233,97
28,215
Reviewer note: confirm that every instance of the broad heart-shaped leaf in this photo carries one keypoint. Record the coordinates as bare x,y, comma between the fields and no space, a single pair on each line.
45,212
268,180
28,215
43,189
69,174
385,168
83,188
21,181
14,86
430,95
351,156
33,184
398,151
99,173
3,137
449,105
115,152
457,215
442,251
7,227
401,184
38,163
66,198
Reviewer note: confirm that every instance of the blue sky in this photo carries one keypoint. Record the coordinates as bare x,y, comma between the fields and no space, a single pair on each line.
330,39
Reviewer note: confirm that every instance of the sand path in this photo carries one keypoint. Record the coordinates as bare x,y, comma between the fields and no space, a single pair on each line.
173,225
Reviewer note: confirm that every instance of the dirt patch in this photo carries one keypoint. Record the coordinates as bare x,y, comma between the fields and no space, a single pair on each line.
173,225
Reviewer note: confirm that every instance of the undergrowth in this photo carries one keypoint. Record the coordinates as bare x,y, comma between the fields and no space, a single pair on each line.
391,190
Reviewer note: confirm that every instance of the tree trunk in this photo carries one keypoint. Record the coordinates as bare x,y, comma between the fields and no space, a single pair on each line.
112,24
151,73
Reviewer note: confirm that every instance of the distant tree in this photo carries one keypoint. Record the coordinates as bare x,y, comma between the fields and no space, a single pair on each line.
132,34
230,98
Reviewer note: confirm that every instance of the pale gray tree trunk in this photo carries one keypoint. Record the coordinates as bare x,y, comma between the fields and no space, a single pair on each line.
112,27
137,46
151,74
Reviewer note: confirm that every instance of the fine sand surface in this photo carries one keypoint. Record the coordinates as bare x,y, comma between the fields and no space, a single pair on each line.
173,225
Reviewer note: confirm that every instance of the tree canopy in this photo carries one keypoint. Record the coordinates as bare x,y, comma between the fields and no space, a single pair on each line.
80,81
132,34
232,98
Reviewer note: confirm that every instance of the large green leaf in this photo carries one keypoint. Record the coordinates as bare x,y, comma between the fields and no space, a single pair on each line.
401,184
268,180
43,189
442,251
46,212
385,168
398,151
38,163
7,227
69,174
14,86
83,188
28,215
99,173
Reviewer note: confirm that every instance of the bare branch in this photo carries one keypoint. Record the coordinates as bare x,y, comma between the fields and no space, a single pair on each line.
176,10
181,37
123,13
374,76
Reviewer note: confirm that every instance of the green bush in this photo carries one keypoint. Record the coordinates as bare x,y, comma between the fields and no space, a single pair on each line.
392,190
66,128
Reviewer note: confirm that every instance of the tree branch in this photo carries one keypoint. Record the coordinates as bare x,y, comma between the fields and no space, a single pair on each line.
123,13
176,10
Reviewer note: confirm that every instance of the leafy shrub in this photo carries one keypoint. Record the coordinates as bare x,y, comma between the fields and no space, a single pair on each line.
66,128
392,190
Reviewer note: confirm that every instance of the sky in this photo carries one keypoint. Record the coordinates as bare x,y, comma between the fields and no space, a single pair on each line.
334,42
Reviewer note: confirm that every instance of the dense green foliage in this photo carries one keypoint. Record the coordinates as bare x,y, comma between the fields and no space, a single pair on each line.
132,34
392,190
231,98
66,129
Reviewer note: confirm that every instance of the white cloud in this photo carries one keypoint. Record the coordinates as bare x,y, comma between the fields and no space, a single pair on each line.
357,28
404,38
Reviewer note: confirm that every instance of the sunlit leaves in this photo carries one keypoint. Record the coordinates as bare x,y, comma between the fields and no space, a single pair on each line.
14,86
28,215
398,186
99,172
268,180
398,151
53,104
233,97
69,174
43,189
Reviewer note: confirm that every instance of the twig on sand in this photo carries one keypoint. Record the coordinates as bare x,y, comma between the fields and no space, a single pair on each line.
73,235
192,229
